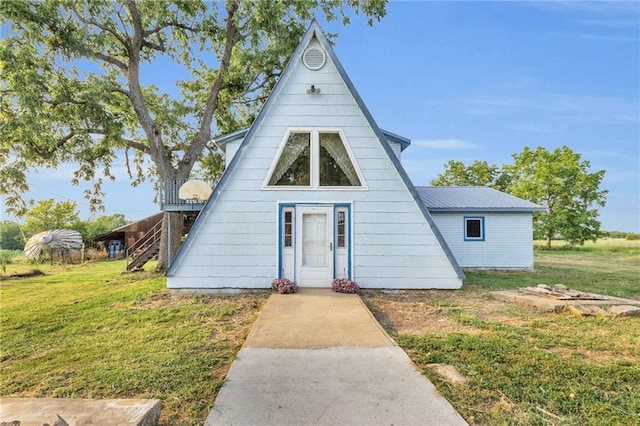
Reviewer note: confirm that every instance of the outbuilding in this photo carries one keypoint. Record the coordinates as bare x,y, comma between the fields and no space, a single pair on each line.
483,227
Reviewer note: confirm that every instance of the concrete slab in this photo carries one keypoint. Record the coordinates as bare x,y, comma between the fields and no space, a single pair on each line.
625,311
320,358
555,305
332,386
80,412
316,318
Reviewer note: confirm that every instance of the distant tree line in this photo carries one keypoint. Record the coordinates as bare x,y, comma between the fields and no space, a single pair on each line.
47,215
558,180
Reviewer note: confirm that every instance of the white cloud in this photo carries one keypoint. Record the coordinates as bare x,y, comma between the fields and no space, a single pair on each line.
444,144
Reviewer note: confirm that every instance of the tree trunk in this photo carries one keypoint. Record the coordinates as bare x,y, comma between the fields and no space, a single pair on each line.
549,241
170,238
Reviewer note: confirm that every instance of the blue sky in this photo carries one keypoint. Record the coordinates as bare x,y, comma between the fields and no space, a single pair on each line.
480,81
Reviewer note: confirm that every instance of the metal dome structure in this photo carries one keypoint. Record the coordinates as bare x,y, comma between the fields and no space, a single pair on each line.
57,239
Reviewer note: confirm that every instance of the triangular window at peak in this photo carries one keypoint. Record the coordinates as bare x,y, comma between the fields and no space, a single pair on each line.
315,159
336,168
294,165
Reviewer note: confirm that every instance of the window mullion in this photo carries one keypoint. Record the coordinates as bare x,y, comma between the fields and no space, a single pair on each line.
315,159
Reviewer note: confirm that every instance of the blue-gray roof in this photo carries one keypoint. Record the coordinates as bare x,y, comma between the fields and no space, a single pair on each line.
472,198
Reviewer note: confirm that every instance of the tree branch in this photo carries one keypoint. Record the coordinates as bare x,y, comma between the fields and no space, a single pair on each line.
263,84
137,145
101,26
62,102
110,59
204,132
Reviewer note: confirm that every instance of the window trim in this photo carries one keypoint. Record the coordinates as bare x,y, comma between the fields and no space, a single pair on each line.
465,228
314,159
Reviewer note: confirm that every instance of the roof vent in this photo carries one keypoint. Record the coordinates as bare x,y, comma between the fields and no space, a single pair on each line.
313,58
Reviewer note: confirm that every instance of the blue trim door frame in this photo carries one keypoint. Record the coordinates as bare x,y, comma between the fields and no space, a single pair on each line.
347,207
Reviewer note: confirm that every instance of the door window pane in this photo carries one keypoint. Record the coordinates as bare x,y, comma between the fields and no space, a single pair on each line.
288,229
342,240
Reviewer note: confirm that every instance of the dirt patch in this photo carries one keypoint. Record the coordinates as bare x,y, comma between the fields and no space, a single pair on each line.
418,312
591,356
32,273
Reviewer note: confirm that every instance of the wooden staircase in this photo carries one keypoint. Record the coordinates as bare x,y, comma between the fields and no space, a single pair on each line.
144,249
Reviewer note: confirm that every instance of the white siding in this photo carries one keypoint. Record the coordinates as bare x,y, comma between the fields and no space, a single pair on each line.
508,242
230,151
397,149
237,244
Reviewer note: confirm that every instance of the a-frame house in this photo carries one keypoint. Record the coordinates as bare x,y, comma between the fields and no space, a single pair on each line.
314,190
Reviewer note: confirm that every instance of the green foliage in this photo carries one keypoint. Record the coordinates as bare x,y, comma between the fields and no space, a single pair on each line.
74,82
47,214
101,225
558,180
631,236
479,173
10,236
562,182
74,73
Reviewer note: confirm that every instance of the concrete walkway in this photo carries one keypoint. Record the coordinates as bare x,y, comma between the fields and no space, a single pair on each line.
320,358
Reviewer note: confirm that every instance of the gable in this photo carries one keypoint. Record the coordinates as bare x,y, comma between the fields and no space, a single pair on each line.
320,99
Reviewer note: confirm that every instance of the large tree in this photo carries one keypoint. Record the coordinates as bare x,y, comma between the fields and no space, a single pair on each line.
10,236
558,180
479,173
563,182
46,215
76,82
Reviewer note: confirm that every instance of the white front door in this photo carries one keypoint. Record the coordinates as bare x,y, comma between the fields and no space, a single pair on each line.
314,246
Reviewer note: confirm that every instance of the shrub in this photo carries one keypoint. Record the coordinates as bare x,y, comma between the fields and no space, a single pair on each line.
631,236
284,286
343,285
96,254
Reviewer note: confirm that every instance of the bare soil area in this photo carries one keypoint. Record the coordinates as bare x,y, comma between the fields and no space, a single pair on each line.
417,312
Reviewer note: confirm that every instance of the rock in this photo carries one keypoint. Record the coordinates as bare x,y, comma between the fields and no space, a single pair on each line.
587,311
60,421
543,286
449,373
625,310
560,287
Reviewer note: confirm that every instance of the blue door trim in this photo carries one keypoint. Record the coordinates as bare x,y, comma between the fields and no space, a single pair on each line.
282,206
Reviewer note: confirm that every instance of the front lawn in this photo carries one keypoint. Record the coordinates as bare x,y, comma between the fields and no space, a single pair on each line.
88,331
524,367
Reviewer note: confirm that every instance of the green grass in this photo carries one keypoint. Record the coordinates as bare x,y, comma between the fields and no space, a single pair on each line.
525,367
86,331
610,267
540,373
